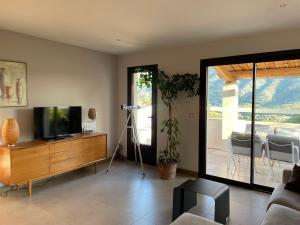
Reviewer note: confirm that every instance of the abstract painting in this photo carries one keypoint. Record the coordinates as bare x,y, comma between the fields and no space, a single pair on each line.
13,84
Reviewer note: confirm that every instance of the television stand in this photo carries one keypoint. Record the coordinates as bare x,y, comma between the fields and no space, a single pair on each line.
63,137
35,160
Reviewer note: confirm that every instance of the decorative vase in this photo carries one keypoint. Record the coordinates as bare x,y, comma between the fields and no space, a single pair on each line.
19,90
3,81
9,92
167,171
10,132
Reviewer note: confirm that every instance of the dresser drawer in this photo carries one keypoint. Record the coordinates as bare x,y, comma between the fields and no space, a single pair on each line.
66,155
65,146
94,148
29,163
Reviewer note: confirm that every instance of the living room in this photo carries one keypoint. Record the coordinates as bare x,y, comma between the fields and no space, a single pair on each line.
202,84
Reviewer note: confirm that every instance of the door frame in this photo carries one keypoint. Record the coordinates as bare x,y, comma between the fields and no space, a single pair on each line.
149,158
239,59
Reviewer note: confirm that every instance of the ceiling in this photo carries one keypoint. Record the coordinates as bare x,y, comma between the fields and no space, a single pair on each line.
234,72
124,26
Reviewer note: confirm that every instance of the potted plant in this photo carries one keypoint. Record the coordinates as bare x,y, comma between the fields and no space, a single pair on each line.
169,87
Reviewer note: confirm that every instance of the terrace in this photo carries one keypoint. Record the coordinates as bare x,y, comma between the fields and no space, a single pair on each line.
229,123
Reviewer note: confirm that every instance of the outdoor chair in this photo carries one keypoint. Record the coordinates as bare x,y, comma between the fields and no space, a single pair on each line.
262,131
288,132
282,148
241,146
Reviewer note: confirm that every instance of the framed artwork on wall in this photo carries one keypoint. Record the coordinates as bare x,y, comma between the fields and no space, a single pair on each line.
13,84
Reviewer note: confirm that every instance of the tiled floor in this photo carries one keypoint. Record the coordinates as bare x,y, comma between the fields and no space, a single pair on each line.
120,197
217,166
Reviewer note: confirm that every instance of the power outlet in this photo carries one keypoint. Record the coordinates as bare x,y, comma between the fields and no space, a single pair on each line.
191,115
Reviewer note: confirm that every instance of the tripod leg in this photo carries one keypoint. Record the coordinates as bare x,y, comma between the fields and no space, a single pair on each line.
119,142
134,143
135,159
112,158
141,160
138,144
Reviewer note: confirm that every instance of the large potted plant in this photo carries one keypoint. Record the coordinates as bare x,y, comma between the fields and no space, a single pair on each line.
169,87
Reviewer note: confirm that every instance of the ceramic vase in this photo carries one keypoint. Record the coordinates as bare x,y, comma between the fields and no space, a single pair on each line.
19,90
3,81
10,132
9,92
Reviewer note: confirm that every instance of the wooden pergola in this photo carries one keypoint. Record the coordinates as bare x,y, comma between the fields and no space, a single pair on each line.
231,73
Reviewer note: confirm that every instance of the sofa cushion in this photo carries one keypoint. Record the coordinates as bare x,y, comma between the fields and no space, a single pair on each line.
294,183
281,215
286,175
191,219
285,197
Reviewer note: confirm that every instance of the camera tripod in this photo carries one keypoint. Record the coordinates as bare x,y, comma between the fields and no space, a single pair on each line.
135,136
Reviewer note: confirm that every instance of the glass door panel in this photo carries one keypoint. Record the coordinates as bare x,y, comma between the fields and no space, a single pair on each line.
229,116
142,96
145,96
277,119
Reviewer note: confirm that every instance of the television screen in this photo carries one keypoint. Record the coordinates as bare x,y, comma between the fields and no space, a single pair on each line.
44,122
63,122
75,118
54,122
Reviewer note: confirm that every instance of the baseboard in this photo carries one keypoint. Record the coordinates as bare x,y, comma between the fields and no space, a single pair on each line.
105,160
187,172
179,170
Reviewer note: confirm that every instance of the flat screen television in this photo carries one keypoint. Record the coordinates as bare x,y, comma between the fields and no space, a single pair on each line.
56,122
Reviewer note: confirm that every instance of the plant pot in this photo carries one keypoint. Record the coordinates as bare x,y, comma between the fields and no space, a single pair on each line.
167,171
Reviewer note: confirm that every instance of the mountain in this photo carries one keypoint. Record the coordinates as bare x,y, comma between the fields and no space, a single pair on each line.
270,92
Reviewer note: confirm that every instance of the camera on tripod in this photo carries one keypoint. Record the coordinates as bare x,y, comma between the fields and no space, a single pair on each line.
130,107
135,136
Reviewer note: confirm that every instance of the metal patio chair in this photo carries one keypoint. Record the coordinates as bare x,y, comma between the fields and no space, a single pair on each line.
241,146
282,149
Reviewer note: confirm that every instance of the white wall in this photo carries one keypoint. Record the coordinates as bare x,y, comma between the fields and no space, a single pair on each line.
214,134
62,75
187,59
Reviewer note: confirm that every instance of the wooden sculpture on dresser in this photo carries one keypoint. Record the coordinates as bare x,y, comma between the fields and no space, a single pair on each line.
92,114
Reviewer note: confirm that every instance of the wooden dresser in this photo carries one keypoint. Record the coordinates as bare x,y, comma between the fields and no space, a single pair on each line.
39,159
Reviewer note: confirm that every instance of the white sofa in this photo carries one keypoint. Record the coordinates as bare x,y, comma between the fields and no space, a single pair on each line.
281,215
285,197
284,205
191,219
283,208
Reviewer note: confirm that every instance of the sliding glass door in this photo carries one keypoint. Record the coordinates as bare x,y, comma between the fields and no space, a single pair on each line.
277,119
229,110
250,118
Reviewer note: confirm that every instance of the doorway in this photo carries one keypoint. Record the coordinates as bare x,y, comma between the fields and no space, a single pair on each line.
146,117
